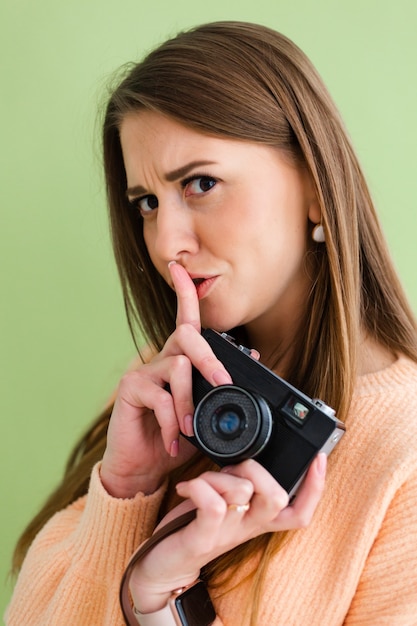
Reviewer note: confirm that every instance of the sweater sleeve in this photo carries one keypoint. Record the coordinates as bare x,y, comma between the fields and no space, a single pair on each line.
387,591
72,572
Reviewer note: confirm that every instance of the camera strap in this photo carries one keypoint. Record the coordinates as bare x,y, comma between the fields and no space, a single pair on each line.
144,548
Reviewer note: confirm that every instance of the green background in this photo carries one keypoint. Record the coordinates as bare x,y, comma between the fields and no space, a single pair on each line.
64,340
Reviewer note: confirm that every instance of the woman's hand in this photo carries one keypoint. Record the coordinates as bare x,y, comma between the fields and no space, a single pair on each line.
143,438
220,525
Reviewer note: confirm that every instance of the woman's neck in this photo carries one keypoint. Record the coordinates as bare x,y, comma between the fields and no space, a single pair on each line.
373,357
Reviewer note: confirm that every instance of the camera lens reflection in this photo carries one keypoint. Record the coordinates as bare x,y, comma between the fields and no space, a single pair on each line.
229,422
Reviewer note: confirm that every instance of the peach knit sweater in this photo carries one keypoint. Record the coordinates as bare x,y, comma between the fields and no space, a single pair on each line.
356,564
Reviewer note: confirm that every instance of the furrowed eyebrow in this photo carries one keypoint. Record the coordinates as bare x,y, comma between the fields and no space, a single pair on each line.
135,191
183,171
170,177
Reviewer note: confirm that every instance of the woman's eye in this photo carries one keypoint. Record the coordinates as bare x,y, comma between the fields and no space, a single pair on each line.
147,204
198,185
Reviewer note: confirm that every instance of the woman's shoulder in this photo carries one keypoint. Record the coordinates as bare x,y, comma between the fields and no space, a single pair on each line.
382,421
396,378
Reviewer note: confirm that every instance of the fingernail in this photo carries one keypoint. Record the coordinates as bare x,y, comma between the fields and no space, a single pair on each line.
321,464
188,425
221,377
171,263
174,448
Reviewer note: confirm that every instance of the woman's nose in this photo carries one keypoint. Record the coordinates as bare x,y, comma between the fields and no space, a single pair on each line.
174,233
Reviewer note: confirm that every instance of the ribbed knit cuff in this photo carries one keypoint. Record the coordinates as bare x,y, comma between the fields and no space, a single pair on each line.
111,528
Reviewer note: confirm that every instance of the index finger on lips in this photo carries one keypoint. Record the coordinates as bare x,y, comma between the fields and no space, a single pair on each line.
188,309
185,340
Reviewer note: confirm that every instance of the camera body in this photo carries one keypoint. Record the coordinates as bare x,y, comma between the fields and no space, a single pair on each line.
260,416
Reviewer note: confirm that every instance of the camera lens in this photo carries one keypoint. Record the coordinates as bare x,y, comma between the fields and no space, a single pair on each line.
229,422
232,424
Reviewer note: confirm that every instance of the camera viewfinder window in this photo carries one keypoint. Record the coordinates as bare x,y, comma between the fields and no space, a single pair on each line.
296,409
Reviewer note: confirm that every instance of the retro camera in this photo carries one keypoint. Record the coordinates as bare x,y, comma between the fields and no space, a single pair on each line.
260,416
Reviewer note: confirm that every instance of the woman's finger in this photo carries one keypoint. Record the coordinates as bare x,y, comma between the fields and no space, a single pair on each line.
214,529
234,490
300,512
186,341
269,498
188,309
145,388
224,519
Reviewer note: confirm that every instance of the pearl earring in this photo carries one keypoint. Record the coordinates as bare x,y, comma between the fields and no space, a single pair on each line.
318,234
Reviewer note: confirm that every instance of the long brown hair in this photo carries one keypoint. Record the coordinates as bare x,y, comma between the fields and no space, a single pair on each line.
248,82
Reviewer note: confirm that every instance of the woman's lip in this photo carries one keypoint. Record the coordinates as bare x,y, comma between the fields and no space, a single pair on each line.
202,288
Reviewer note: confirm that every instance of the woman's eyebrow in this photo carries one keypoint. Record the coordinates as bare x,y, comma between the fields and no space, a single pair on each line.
170,177
185,169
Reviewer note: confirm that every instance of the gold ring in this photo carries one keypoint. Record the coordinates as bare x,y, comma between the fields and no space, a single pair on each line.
239,508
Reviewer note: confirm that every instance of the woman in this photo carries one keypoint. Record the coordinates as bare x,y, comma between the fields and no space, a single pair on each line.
237,203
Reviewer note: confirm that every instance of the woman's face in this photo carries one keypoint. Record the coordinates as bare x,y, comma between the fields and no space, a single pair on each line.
235,214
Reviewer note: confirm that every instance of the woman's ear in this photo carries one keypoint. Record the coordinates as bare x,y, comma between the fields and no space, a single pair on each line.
314,209
314,212
314,215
